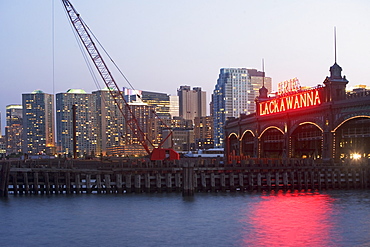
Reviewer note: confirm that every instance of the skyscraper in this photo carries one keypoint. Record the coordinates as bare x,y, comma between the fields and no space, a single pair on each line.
13,129
86,127
38,123
234,94
110,124
192,102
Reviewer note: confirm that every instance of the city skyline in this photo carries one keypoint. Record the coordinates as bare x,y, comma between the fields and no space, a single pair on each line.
181,43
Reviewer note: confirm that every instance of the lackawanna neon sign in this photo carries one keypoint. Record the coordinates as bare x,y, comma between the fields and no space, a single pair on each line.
290,102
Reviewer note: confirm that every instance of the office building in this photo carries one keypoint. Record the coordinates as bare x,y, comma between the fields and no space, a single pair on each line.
161,101
135,131
182,139
234,94
85,123
38,123
110,124
192,102
160,128
14,129
174,106
203,132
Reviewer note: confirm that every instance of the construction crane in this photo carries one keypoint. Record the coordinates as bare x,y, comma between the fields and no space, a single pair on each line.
157,153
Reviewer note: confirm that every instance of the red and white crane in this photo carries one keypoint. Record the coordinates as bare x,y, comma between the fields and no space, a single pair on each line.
156,153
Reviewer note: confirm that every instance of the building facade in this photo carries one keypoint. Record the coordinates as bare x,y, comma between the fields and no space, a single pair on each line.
85,123
192,102
14,129
203,132
161,101
136,128
234,94
334,125
38,123
110,124
174,106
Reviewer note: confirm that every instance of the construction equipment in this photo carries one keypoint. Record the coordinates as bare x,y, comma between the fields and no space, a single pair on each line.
157,153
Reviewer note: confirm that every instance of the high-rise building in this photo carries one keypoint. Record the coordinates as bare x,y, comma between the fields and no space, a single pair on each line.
192,102
38,123
86,126
234,94
203,132
14,128
2,147
174,106
161,101
110,124
132,137
258,80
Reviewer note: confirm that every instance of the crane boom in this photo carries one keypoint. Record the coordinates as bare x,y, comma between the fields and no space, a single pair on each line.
130,119
104,72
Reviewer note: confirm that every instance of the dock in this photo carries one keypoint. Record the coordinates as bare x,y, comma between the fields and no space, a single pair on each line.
188,176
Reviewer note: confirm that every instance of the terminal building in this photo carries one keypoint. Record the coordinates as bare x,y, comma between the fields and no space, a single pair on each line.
325,123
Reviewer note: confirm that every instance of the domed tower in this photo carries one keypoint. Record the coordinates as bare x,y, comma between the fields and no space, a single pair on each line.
335,85
263,92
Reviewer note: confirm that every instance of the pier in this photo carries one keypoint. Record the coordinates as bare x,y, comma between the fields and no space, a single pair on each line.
188,176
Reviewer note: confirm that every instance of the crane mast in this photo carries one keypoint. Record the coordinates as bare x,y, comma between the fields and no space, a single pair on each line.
115,92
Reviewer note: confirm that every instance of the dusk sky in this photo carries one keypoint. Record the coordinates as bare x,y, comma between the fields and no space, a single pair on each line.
161,45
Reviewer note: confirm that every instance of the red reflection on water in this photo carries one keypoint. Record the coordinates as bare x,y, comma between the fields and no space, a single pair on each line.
289,219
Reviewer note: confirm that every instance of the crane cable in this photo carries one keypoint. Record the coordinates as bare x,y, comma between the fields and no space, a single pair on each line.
105,51
89,66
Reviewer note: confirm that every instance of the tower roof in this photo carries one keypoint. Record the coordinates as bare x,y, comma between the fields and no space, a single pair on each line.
336,71
263,92
77,91
38,91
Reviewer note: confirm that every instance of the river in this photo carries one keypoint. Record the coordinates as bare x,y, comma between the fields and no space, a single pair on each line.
326,218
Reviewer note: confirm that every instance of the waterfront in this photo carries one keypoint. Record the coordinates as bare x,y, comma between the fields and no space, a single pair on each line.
325,218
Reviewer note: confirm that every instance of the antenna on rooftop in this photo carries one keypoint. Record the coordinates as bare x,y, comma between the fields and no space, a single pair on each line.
263,72
335,44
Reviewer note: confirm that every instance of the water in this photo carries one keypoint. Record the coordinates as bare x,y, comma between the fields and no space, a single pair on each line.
330,218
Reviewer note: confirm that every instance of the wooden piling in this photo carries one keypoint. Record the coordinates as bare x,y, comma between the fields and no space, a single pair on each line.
107,184
4,179
35,182
203,181
88,183
285,180
77,188
137,183
68,182
213,182
147,182
158,182
168,182
231,181
241,181
119,183
128,184
15,183
188,183
223,182
99,183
